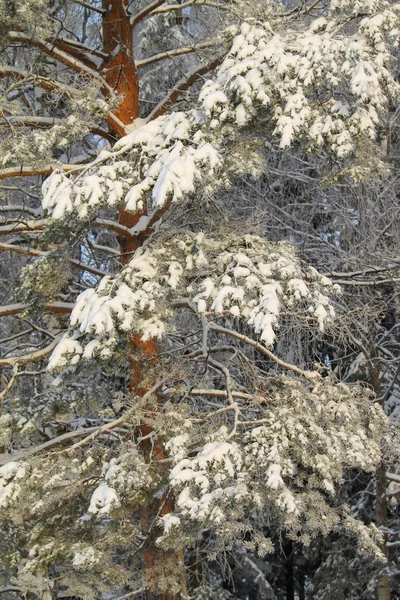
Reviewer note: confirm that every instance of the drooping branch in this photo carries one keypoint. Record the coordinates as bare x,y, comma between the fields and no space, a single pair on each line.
43,122
23,121
48,445
89,433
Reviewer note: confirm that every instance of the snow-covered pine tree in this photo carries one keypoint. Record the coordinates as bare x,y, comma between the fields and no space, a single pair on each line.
215,427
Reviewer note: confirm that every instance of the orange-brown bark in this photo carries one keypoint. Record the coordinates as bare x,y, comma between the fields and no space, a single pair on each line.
119,71
121,75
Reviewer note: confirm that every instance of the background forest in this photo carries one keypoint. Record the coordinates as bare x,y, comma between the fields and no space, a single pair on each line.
200,300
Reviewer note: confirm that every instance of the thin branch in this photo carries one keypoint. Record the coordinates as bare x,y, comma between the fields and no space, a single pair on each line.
93,432
117,422
64,57
31,120
101,11
371,283
20,209
40,224
362,272
182,86
11,588
66,437
39,81
200,3
171,53
243,338
132,594
219,394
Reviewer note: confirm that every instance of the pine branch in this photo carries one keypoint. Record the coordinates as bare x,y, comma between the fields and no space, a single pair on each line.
90,433
24,121
182,86
243,338
30,78
39,224
39,122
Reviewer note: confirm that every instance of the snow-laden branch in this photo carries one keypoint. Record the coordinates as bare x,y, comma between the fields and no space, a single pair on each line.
29,357
88,433
243,278
265,73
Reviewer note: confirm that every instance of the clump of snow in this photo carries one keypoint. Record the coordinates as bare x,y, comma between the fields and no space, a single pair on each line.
104,499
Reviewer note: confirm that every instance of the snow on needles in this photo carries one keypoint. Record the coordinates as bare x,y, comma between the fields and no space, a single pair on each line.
167,157
247,278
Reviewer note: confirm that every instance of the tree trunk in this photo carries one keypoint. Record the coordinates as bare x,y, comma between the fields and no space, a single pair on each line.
382,522
289,571
165,576
381,503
